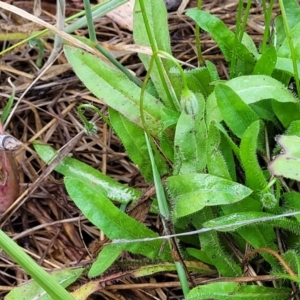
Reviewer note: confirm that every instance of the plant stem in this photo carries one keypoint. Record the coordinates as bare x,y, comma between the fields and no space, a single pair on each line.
53,288
157,59
236,40
90,22
292,49
197,36
93,38
268,15
244,24
160,192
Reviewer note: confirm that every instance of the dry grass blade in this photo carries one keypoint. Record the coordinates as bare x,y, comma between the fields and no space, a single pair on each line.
47,112
66,149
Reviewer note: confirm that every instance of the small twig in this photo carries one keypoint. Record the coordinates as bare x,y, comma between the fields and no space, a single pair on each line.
58,41
274,253
64,151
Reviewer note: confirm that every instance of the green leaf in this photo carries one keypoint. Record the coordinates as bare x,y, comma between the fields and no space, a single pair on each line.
266,63
133,139
199,254
294,128
191,192
236,220
287,163
232,219
286,65
216,163
265,111
199,80
105,259
212,110
115,89
31,290
103,184
286,112
158,22
292,10
212,246
284,50
213,71
255,178
233,290
150,269
250,44
293,260
228,154
232,144
111,220
190,141
236,113
254,88
292,202
223,37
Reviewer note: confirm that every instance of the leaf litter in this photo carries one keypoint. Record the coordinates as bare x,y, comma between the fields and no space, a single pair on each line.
47,223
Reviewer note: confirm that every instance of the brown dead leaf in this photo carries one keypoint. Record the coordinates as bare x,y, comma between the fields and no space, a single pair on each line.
9,180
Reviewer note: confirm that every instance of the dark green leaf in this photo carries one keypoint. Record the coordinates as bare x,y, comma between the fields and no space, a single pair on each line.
74,168
236,113
236,291
111,220
254,176
133,139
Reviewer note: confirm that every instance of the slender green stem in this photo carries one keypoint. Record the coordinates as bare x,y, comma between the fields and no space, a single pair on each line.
90,22
118,65
244,24
41,47
182,278
268,15
97,11
292,49
197,37
181,71
154,50
89,126
183,77
160,192
53,288
93,38
236,40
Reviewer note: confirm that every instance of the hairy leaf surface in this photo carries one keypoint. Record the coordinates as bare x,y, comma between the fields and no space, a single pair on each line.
191,192
103,184
116,90
233,290
111,220
133,139
236,113
248,150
